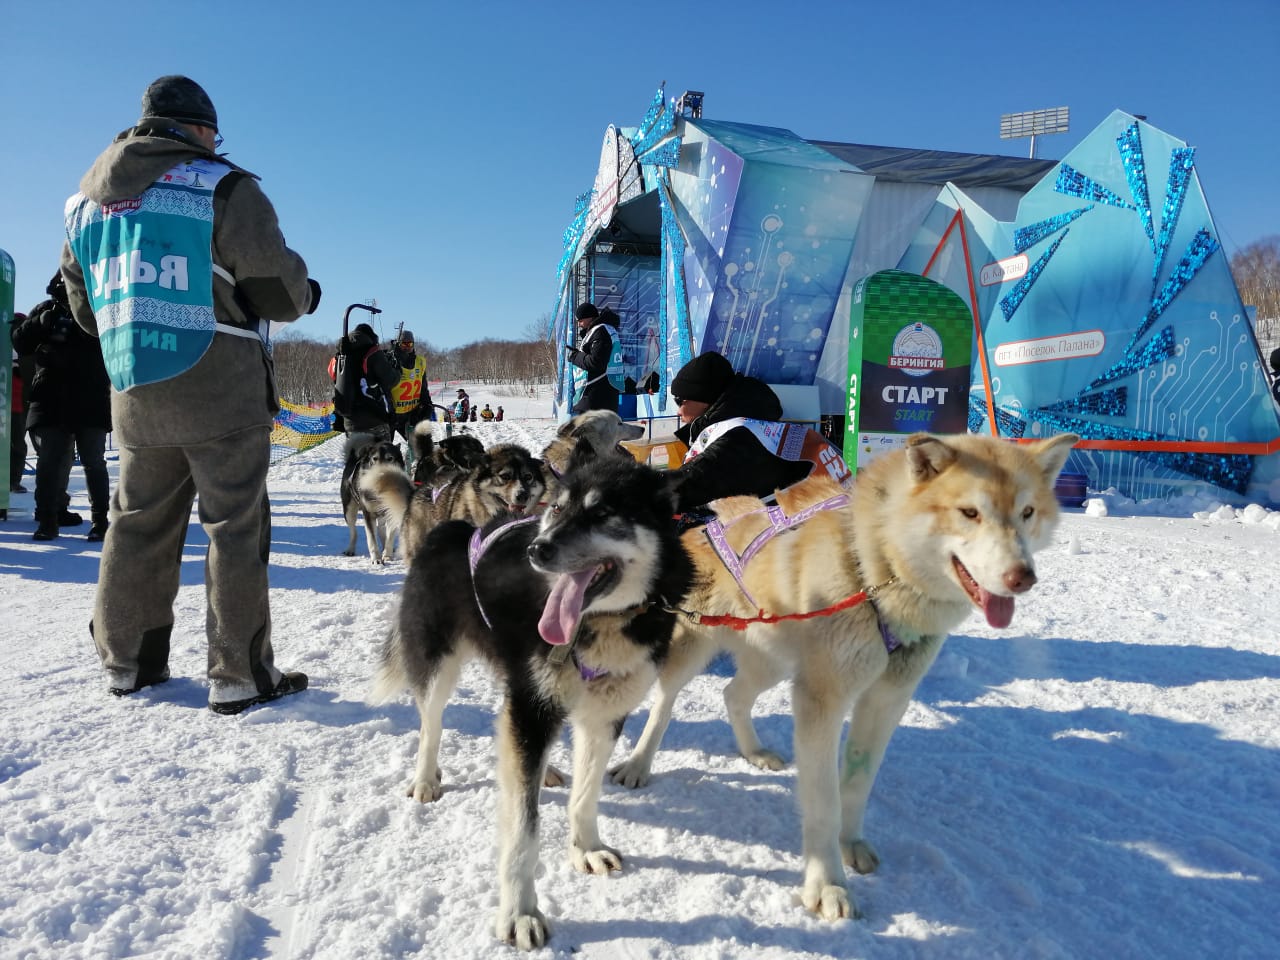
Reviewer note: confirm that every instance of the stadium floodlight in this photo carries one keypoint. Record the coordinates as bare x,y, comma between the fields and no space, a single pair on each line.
1034,123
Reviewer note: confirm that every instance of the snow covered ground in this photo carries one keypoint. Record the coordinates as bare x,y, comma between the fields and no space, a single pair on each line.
1102,779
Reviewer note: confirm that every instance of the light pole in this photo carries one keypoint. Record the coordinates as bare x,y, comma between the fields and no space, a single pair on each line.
1034,123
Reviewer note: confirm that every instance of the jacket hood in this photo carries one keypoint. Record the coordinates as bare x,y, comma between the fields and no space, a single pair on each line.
136,158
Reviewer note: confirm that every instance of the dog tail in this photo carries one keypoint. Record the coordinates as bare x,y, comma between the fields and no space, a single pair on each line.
390,489
422,441
391,676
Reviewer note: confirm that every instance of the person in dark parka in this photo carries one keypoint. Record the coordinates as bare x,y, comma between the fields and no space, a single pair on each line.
707,392
591,387
68,409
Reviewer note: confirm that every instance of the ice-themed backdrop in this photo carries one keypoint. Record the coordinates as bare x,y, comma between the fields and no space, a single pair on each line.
1103,301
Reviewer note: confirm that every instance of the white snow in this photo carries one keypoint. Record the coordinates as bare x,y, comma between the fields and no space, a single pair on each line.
1102,779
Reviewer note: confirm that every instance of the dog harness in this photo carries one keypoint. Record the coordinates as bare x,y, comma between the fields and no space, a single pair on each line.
779,522
476,549
735,563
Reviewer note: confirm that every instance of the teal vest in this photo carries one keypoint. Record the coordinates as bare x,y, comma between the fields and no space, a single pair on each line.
148,269
615,371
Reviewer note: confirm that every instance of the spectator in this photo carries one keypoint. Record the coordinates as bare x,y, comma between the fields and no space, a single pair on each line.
1275,374
498,415
718,409
486,414
194,420
473,414
68,408
596,353
462,407
23,374
411,397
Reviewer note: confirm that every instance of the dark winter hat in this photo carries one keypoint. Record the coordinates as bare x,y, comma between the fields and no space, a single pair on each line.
179,98
406,336
586,311
703,378
365,332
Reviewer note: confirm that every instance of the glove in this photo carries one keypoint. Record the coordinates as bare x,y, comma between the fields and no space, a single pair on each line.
315,295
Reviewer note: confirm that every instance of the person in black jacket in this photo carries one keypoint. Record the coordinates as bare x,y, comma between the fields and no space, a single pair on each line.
69,409
726,459
591,387
373,383
1275,374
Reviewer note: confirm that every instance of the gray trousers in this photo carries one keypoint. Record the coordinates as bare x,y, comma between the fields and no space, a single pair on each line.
142,558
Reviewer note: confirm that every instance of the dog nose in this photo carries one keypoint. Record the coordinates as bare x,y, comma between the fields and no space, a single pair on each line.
540,552
1020,579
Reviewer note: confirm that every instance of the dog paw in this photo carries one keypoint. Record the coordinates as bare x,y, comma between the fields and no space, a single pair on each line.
766,760
830,902
601,861
860,855
630,774
425,792
527,931
554,777
348,553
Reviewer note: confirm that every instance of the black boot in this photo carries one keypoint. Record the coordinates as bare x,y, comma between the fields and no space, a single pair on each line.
289,683
47,530
98,530
68,519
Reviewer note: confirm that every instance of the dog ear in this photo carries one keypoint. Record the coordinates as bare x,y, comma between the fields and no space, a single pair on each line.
1053,452
927,456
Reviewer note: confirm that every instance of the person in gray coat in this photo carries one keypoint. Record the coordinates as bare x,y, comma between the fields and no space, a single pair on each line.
174,259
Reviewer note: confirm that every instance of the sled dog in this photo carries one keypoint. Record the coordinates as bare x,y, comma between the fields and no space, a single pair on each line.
436,462
933,531
603,429
365,455
571,611
507,479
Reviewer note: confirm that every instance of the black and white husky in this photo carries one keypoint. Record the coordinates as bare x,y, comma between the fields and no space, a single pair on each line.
572,611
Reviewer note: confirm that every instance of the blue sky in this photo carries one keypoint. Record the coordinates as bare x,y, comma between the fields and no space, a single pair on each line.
429,155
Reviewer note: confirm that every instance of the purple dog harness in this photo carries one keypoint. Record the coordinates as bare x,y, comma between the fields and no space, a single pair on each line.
476,549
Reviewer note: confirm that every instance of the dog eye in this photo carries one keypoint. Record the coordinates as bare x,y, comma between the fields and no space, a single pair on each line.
1026,514
970,513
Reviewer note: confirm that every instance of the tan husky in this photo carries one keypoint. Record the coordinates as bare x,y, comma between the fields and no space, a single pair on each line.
930,532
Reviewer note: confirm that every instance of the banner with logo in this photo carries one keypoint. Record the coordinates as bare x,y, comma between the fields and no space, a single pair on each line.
910,353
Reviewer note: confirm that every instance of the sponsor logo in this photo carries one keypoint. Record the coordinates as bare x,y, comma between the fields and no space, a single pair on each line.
121,208
917,350
1010,268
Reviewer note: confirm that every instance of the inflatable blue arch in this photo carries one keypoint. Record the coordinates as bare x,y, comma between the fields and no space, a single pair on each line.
1101,298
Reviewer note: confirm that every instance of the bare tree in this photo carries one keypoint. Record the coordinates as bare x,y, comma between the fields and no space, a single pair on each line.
1256,270
302,368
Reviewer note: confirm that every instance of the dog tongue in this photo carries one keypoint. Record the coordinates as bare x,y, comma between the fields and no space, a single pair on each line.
999,610
564,607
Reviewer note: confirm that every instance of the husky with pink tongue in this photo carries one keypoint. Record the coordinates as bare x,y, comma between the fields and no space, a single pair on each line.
574,611
861,589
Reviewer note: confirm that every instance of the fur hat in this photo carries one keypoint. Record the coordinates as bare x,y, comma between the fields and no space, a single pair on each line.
586,311
179,98
703,378
364,332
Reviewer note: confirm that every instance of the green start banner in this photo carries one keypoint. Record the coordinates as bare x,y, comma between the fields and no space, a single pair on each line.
6,376
910,349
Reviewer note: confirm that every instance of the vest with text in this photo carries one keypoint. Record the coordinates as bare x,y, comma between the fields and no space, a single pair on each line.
148,269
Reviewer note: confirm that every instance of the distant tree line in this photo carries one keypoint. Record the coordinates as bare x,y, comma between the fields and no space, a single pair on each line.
302,363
